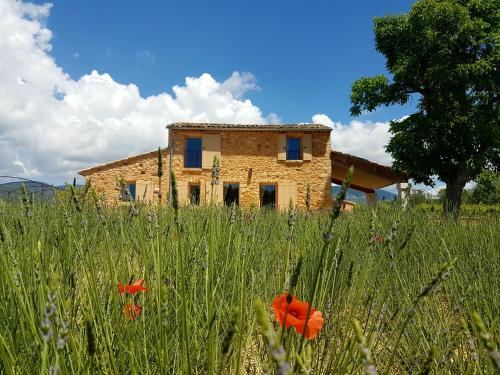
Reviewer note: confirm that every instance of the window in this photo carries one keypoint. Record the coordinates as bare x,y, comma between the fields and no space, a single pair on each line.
268,196
194,194
293,151
192,157
231,194
127,192
132,190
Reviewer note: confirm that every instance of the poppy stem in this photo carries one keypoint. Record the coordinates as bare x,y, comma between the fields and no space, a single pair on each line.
283,326
294,277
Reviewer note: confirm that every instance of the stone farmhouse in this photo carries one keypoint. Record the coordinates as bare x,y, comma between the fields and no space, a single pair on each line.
260,165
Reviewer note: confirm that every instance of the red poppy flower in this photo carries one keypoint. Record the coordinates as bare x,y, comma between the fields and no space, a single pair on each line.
132,289
296,316
131,311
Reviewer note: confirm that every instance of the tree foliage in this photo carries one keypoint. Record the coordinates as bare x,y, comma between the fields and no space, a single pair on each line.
487,190
445,55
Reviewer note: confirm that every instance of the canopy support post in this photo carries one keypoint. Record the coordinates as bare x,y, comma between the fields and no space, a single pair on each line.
403,193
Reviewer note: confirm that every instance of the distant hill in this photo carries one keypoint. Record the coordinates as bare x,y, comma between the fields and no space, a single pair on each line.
13,190
62,187
359,196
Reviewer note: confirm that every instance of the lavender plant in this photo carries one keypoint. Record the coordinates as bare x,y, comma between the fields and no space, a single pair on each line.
405,302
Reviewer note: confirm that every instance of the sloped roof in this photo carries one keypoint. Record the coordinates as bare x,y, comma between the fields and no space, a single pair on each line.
120,162
368,175
259,127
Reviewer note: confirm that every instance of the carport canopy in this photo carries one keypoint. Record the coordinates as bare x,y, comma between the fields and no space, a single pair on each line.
368,175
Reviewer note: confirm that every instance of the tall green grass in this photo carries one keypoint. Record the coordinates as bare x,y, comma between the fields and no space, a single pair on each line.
401,305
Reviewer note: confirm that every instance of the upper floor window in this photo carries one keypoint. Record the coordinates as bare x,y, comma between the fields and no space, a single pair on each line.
293,150
192,157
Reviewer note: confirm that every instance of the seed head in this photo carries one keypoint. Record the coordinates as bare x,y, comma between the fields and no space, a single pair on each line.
215,171
274,349
339,199
487,340
175,198
46,331
231,330
63,337
308,196
296,272
328,236
91,348
159,173
442,274
366,355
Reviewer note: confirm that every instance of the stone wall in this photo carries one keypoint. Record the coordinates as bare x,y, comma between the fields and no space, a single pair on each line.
249,158
142,167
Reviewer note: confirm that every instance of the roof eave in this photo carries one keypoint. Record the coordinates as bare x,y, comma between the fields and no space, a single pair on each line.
88,171
250,127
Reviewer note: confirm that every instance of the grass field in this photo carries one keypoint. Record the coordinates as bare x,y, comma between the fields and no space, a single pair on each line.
414,289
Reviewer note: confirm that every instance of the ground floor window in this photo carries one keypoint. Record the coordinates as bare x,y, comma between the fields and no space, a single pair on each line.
194,194
231,194
128,191
268,196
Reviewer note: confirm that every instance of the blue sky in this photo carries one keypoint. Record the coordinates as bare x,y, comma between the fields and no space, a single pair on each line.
305,55
88,82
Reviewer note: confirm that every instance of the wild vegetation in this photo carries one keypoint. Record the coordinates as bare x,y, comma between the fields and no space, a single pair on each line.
443,55
143,289
481,200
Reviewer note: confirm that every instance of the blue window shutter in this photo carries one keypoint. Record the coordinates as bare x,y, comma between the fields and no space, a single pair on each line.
192,154
293,149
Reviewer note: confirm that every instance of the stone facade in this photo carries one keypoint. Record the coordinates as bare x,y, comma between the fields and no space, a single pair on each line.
247,157
143,167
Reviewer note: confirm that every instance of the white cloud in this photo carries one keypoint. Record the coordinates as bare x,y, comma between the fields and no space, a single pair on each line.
368,140
30,172
361,138
273,118
239,83
364,139
52,126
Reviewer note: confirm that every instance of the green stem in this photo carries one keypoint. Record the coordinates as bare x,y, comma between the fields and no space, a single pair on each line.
184,318
326,245
210,291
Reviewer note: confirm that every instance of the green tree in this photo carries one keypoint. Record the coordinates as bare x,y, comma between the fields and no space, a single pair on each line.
445,55
466,196
487,190
419,196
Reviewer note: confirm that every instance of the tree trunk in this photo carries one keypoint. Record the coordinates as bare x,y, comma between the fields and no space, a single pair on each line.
451,206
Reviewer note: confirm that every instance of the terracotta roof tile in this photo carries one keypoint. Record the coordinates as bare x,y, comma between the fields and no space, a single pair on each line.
121,162
376,168
268,127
